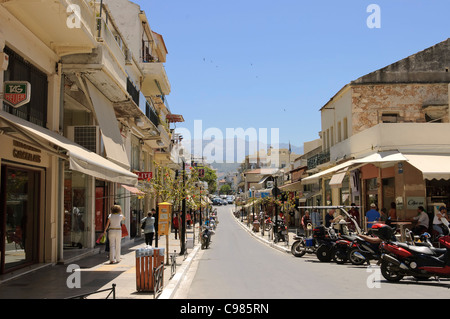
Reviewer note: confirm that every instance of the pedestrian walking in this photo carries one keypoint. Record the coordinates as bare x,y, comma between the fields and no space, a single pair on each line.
114,233
175,224
148,224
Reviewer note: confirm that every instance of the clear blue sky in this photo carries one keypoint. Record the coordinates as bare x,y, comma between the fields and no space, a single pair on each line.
274,64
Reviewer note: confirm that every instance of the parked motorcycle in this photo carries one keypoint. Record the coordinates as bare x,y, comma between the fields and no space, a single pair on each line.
422,262
321,243
364,249
340,249
282,233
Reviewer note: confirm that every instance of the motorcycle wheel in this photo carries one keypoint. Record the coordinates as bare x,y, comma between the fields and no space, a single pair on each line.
390,272
298,248
354,258
340,256
324,254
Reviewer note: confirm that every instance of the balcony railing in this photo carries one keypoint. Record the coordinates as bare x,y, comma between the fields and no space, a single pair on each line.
151,114
131,89
319,159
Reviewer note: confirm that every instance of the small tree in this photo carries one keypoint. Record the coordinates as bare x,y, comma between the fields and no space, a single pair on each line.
225,189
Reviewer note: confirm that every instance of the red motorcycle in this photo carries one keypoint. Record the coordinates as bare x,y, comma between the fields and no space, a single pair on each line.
422,262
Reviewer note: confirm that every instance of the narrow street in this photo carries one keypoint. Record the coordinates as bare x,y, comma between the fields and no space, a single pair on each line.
239,266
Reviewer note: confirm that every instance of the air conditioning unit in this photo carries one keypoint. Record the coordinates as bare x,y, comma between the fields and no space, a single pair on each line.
128,57
87,136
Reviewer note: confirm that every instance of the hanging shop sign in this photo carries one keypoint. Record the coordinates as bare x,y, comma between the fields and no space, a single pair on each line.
144,175
16,93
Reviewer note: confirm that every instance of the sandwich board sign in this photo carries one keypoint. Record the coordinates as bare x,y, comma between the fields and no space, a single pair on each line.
16,93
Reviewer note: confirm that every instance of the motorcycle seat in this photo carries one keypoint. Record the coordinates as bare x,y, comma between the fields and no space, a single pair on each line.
369,239
417,249
348,237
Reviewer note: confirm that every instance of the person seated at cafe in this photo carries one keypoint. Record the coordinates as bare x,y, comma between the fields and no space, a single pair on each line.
440,220
422,221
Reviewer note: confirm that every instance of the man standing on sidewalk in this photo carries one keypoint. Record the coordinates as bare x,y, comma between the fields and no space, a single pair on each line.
149,228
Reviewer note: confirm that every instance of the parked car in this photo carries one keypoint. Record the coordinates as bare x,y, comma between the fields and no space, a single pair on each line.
217,202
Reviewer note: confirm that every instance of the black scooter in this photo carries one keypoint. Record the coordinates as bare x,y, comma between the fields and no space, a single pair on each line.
321,244
206,237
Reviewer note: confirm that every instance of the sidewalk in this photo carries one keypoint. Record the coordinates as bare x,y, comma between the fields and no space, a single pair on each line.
50,281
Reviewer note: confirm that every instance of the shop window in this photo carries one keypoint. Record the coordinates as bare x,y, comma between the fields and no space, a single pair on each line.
75,209
345,125
20,217
20,70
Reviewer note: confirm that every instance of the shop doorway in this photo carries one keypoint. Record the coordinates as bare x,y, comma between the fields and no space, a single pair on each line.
388,192
19,217
371,193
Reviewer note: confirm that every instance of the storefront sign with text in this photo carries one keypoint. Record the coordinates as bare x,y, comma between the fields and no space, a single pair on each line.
17,93
144,176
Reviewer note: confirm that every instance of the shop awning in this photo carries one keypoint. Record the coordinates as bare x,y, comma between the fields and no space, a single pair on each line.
133,190
337,179
106,117
314,178
80,159
380,159
431,166
292,187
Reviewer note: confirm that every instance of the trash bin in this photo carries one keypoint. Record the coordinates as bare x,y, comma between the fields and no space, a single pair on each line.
146,260
256,226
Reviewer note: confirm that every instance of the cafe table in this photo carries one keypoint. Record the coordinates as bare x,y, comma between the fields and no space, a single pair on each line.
402,225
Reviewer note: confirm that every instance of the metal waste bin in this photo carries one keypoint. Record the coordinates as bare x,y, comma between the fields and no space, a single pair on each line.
146,260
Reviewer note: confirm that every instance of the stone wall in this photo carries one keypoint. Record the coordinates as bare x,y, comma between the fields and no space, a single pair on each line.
369,102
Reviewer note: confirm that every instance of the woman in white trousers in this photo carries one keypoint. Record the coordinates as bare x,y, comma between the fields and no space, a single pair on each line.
114,233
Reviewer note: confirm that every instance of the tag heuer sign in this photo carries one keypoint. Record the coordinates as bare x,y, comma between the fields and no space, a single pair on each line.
17,93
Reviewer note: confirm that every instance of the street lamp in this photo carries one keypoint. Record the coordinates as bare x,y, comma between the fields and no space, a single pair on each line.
254,197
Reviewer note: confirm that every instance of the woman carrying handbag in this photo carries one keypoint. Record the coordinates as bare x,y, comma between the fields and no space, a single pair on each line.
114,233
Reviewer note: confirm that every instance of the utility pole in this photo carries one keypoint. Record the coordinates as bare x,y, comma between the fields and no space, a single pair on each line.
183,216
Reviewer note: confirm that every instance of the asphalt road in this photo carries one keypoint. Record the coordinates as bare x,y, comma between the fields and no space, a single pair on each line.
239,266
